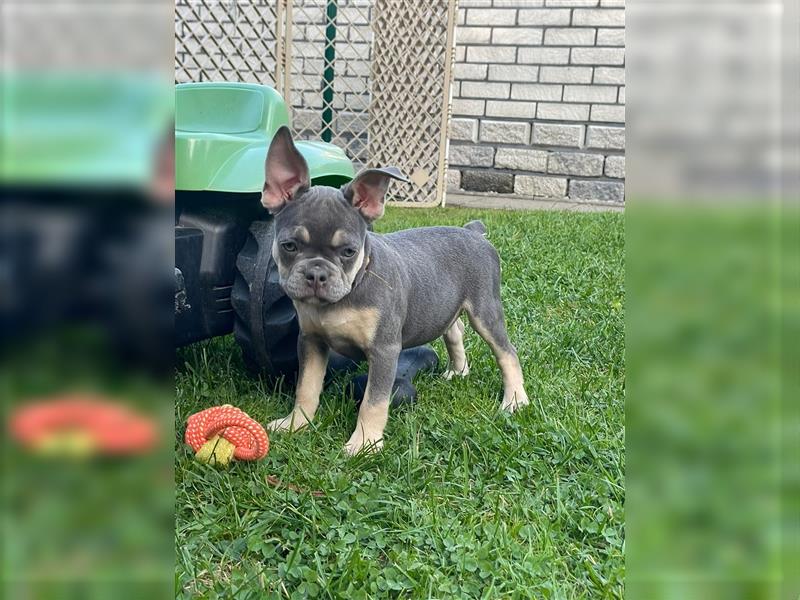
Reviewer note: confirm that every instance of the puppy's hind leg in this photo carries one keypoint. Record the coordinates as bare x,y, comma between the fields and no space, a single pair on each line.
487,319
454,341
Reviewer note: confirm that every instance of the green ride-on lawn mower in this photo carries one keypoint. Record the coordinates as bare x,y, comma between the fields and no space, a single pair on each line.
226,280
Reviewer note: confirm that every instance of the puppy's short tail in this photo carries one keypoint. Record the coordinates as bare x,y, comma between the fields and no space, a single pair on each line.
476,226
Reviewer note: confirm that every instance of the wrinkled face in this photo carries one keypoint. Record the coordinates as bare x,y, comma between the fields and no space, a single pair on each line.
319,246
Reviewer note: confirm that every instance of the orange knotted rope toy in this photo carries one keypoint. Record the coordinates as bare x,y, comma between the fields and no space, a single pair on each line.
78,424
221,433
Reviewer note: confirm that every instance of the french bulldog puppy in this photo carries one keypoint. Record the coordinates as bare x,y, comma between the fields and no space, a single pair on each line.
369,296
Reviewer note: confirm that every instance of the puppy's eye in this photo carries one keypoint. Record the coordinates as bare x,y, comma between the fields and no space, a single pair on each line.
289,246
349,252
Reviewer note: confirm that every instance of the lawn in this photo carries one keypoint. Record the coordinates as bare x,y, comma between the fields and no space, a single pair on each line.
464,500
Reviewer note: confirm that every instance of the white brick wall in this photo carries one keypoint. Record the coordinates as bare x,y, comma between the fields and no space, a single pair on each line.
540,96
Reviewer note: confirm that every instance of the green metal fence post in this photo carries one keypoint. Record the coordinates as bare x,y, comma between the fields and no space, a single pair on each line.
328,73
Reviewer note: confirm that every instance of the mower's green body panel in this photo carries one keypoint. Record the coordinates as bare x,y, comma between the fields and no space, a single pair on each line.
223,130
79,129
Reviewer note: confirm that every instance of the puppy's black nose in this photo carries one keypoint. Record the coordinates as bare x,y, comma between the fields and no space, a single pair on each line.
316,276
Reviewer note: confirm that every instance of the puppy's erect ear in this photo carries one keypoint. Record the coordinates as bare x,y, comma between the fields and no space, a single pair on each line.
286,172
366,192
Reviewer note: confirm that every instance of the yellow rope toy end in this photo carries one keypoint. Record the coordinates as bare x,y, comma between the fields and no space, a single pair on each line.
216,451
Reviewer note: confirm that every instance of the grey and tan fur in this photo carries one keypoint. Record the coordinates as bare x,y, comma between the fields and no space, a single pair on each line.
369,296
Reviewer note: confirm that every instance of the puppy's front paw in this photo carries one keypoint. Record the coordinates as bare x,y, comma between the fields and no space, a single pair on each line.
363,442
514,401
291,422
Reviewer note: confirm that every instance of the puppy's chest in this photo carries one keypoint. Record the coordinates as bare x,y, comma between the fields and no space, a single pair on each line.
340,327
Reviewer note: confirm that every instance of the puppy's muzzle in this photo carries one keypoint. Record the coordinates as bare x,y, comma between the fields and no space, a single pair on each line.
316,275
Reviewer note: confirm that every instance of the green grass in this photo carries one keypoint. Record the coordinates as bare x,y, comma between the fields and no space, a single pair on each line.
464,501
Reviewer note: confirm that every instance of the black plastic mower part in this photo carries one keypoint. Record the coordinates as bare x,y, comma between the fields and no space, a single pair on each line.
210,231
266,325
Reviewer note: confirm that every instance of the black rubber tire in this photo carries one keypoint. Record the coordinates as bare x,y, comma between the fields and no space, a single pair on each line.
265,324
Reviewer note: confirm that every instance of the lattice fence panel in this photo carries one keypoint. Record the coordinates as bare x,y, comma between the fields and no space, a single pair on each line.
226,40
337,42
411,70
371,76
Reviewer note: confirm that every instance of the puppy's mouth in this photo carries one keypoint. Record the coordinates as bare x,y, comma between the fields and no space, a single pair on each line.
314,300
300,292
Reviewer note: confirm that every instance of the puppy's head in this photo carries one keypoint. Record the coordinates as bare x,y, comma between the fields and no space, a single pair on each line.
320,230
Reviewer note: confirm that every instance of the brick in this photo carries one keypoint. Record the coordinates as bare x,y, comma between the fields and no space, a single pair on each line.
521,159
353,101
358,51
355,32
353,68
527,73
307,49
461,53
355,85
355,15
492,16
461,16
575,163
544,16
517,36
474,89
548,134
491,54
312,100
543,56
590,93
505,132
487,181
614,3
306,119
613,75
606,138
516,110
473,3
471,156
563,112
599,191
310,34
615,167
556,3
473,35
610,37
309,14
599,17
464,130
621,96
542,187
565,75
468,107
453,179
598,56
351,121
569,36
528,91
516,3
470,71
612,113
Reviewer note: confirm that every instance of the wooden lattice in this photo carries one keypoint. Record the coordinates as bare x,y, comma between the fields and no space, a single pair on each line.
348,90
225,40
371,76
410,91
